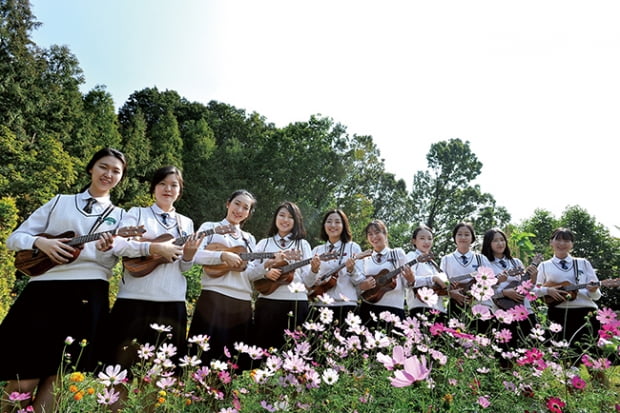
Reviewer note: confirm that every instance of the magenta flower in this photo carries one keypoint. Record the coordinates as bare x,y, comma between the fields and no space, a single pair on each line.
18,397
415,369
578,383
555,405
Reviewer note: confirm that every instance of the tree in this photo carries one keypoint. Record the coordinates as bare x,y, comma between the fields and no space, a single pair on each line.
443,195
199,146
8,221
367,191
137,149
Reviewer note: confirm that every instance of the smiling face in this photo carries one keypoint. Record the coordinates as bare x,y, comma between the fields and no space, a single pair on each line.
105,174
333,227
167,191
498,245
238,209
561,246
423,241
376,237
463,239
285,222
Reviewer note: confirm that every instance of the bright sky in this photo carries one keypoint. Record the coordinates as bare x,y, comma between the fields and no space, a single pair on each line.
532,85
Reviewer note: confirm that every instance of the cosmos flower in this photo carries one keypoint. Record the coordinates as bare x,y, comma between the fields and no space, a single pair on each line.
112,375
108,397
415,369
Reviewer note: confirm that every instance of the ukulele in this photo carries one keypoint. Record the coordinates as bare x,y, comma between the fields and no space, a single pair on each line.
386,280
506,303
287,273
328,280
33,262
141,266
569,291
218,270
458,280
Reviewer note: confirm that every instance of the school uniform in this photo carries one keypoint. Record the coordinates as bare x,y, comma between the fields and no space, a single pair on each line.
224,309
571,314
156,298
393,300
282,309
519,329
456,265
67,300
344,293
424,273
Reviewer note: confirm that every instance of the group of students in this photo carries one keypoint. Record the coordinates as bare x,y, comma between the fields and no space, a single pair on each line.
70,299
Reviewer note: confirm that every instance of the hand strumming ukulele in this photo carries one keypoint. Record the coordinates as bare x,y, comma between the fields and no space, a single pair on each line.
33,262
386,280
287,273
569,291
506,303
141,266
328,280
218,270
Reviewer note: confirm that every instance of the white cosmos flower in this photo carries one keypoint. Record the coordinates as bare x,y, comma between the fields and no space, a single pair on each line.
297,287
330,376
112,375
161,328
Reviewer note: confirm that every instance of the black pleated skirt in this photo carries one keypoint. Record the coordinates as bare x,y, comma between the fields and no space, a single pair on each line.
224,319
129,326
33,333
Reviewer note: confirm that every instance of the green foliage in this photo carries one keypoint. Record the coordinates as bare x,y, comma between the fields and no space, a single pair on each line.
443,195
8,221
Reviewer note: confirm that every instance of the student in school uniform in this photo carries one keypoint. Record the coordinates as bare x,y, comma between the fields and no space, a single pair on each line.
157,296
577,316
461,262
343,295
427,274
70,299
495,249
223,311
279,308
391,295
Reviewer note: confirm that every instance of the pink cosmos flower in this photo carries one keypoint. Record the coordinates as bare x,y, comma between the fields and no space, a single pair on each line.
481,292
18,397
525,287
485,276
504,316
481,312
606,315
484,402
503,336
398,358
415,369
600,364
519,313
428,296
